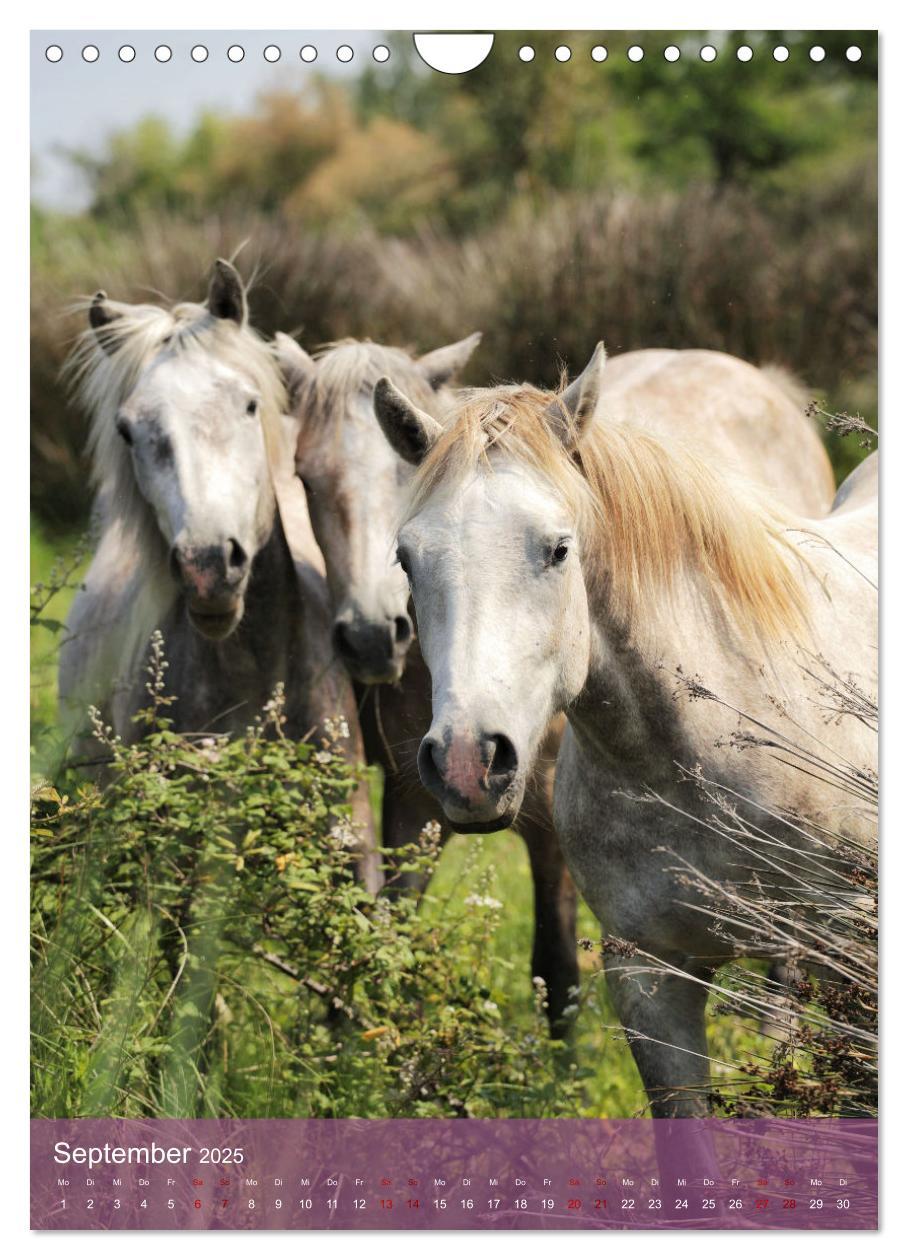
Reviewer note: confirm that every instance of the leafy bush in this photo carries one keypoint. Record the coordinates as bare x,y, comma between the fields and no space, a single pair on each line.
201,947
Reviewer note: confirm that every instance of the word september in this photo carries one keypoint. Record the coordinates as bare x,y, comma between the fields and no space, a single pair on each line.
96,1156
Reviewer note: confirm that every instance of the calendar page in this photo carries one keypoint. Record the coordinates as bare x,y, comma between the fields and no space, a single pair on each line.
454,630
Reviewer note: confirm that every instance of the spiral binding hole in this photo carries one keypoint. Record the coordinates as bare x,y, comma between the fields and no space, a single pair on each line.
272,53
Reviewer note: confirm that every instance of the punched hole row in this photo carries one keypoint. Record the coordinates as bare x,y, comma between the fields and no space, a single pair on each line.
200,53
381,53
707,53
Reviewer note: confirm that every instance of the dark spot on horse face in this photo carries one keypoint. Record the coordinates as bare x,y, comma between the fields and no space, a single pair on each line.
325,492
162,448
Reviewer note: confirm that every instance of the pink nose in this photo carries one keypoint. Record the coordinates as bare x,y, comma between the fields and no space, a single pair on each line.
203,580
467,768
210,572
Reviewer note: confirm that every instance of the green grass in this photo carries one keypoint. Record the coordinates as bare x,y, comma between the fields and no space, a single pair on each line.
497,864
47,555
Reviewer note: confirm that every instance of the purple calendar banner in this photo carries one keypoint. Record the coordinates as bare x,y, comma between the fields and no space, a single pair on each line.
453,1174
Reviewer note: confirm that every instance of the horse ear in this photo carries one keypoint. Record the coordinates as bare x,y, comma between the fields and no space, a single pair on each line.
296,366
103,316
411,432
570,414
438,366
226,295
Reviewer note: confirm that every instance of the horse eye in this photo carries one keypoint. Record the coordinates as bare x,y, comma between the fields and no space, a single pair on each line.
403,561
252,407
560,553
125,432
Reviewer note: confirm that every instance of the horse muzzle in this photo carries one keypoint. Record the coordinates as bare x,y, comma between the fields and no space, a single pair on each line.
213,579
476,777
373,651
216,619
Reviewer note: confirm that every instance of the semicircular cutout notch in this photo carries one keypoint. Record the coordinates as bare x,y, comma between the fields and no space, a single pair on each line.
453,53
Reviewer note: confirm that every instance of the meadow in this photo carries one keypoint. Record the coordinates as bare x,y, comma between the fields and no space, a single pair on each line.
104,998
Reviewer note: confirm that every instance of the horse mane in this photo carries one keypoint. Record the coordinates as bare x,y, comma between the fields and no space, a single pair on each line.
648,513
349,367
103,376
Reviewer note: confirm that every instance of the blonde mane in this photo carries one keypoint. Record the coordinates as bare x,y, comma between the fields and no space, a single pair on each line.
102,378
648,514
350,367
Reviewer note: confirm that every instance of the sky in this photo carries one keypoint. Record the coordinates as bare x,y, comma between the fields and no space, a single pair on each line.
76,104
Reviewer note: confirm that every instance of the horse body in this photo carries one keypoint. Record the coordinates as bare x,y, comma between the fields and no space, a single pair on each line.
187,421
745,418
564,557
627,823
356,486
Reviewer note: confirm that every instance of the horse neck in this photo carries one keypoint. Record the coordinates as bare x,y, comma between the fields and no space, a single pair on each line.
629,710
274,610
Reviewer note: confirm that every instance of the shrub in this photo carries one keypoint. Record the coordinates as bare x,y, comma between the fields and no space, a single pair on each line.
201,947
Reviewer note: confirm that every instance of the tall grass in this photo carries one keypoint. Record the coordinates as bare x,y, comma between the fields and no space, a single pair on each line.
807,896
789,279
114,1033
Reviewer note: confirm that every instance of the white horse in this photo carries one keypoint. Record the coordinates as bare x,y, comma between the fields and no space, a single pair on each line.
187,417
356,486
592,553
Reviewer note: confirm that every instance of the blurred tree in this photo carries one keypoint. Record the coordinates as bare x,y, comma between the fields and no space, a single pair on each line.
385,172
746,117
403,143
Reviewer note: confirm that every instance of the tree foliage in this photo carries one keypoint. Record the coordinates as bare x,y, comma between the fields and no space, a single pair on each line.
403,145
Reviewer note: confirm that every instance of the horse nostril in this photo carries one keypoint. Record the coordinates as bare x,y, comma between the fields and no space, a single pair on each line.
175,568
504,756
236,556
430,764
342,639
403,630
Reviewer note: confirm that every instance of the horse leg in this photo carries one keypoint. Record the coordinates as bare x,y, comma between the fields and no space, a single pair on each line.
367,864
404,812
555,923
393,720
664,1017
782,1018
